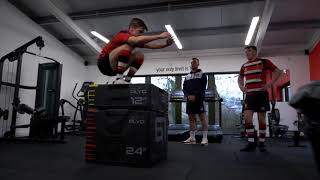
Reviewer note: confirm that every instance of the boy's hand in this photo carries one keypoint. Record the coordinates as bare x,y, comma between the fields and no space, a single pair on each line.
170,41
243,89
266,87
192,98
164,35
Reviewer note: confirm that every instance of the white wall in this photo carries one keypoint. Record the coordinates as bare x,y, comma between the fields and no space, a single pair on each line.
220,60
96,76
17,29
213,60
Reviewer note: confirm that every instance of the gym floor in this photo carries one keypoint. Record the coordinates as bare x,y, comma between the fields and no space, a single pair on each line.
217,161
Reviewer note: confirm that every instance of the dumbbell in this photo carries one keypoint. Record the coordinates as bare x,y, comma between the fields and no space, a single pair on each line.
1,113
4,114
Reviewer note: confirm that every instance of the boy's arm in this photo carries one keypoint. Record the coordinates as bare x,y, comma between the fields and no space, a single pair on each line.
202,89
276,73
275,76
241,80
185,89
138,40
241,83
155,45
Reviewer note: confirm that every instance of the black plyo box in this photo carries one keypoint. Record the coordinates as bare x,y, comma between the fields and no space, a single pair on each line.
132,96
131,137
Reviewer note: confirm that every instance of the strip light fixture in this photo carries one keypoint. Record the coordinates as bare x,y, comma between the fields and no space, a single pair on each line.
252,28
102,38
174,36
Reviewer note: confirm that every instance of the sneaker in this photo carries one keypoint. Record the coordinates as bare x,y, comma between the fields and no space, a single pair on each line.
190,140
249,148
120,81
204,142
126,78
262,147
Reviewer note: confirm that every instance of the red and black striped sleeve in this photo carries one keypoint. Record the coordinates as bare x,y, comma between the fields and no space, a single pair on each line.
269,65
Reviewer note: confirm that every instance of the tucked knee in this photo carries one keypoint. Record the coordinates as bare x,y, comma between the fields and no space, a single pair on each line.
138,60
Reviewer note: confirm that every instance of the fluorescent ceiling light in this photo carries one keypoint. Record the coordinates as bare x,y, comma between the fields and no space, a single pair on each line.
252,28
96,34
173,34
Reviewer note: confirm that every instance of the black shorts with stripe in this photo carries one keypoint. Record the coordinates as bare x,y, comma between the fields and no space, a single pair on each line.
257,102
196,107
105,66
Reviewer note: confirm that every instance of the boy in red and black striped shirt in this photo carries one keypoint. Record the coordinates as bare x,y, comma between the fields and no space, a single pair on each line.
120,53
252,82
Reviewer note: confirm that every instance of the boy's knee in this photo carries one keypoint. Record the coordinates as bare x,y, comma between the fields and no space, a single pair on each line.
138,59
125,53
249,125
262,125
139,55
127,47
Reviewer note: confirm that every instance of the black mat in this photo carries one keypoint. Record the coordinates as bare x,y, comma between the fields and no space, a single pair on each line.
215,162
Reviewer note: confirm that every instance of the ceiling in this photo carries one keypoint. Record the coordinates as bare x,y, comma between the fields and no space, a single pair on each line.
199,24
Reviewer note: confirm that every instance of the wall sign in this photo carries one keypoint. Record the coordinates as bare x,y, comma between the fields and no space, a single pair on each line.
175,69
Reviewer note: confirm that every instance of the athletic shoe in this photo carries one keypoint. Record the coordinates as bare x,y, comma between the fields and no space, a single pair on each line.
262,147
190,140
204,142
120,81
249,148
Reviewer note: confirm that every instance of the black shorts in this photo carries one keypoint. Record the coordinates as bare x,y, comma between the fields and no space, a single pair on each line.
257,102
196,107
105,66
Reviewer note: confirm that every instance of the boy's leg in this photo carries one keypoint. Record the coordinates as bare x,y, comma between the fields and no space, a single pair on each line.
119,59
263,104
135,62
262,126
262,130
192,123
204,123
248,116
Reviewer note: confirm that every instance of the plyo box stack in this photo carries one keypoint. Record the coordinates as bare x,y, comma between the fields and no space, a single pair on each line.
127,124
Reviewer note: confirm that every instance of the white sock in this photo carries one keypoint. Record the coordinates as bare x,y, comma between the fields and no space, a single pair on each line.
205,134
193,134
121,69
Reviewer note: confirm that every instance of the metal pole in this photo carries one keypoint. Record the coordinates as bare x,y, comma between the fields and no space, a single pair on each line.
1,71
220,112
16,99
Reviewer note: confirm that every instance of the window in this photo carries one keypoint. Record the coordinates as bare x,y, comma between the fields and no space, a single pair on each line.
228,90
166,83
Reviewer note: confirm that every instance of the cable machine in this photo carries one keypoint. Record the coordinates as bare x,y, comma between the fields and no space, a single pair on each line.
45,115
